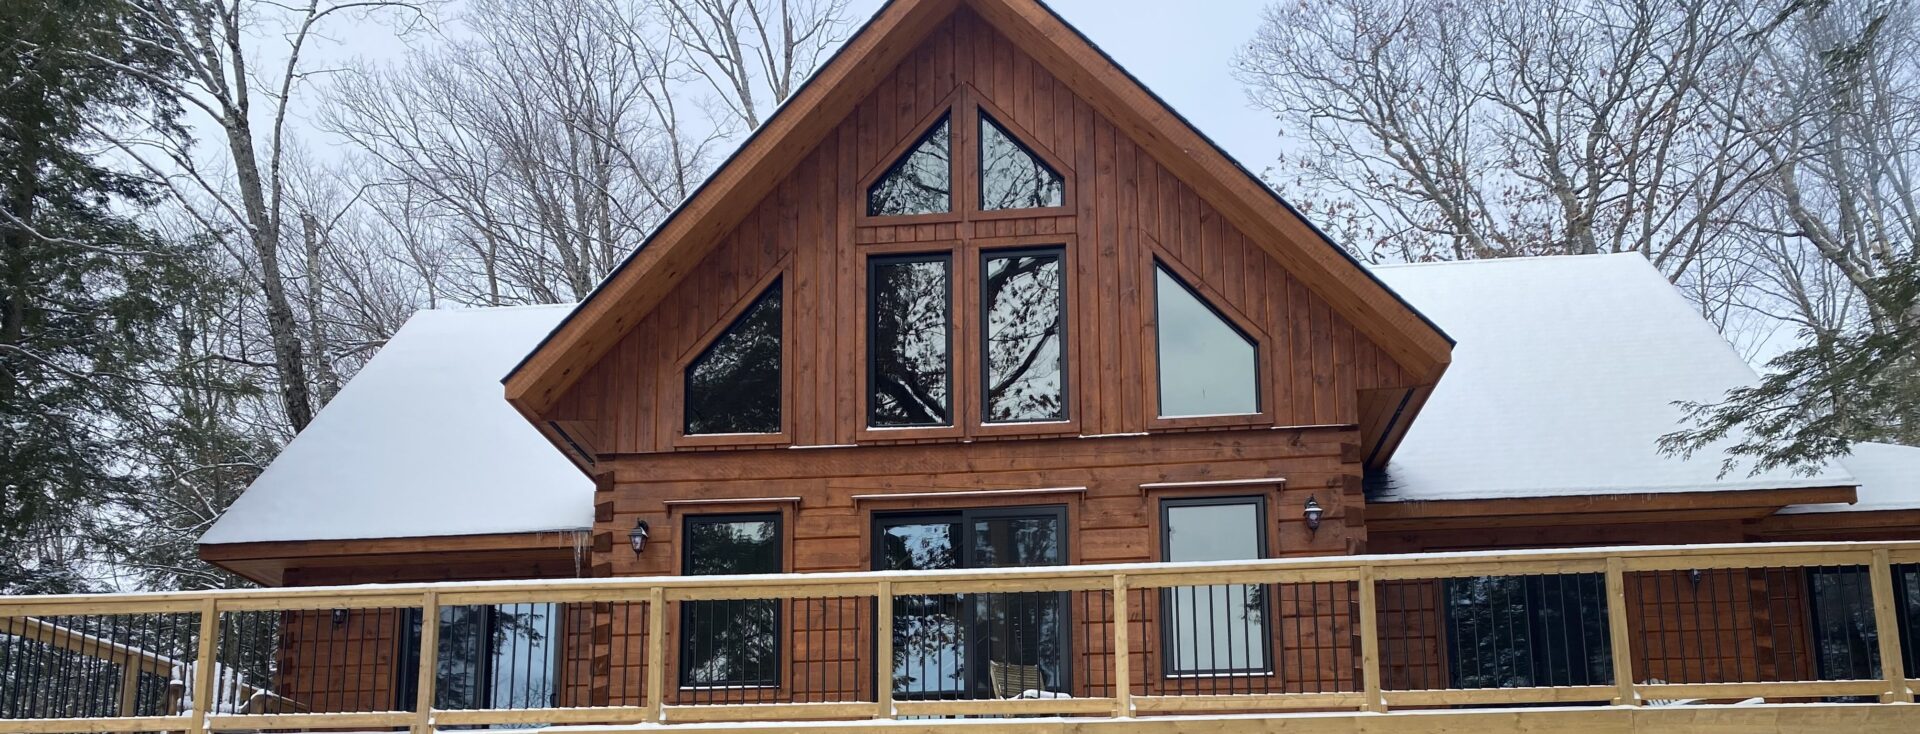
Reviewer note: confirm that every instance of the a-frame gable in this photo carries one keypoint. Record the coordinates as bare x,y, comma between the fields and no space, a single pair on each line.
1335,339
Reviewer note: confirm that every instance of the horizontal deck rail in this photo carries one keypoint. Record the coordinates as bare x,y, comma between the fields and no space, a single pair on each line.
1125,657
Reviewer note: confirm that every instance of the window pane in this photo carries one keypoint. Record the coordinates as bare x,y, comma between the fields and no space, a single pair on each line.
1012,177
1024,313
732,642
1517,631
734,386
921,182
501,656
928,647
524,640
908,340
1207,367
1846,640
1220,628
1004,542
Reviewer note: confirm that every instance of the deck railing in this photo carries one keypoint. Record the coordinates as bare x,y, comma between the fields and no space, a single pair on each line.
1607,626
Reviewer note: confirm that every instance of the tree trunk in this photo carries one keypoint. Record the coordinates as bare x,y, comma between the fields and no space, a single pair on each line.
289,358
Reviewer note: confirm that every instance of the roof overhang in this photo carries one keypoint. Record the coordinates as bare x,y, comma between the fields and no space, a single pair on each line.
508,555
1597,509
678,245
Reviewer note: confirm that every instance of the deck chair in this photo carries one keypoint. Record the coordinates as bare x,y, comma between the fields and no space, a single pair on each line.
1012,679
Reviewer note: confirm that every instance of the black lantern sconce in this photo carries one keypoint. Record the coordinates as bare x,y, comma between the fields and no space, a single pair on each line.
339,617
1312,512
637,537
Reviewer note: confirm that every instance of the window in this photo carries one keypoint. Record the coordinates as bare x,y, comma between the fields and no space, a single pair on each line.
1518,631
1023,315
734,386
502,656
908,343
976,645
731,642
1207,365
921,182
1219,629
1011,176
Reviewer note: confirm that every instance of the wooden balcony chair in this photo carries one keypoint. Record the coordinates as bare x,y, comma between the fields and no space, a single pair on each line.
1010,680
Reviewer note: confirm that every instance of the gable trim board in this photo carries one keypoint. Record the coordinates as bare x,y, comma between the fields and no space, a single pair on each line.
767,156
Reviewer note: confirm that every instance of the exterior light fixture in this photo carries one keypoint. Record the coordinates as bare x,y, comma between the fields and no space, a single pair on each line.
339,617
1312,512
637,537
1694,576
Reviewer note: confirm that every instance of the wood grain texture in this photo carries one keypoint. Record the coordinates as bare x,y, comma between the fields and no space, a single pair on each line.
1126,210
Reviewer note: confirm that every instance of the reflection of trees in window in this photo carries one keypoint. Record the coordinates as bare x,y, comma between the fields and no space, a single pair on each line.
732,642
1846,640
926,628
921,181
1012,177
1023,315
502,656
734,386
1518,631
909,366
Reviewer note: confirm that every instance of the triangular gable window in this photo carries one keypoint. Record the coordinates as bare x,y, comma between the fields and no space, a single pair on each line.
1011,176
734,386
921,182
1207,365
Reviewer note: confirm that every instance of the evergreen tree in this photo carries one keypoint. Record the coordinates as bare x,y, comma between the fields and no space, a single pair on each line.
83,287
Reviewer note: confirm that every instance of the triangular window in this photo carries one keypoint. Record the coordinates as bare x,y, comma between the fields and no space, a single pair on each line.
1207,365
734,386
921,182
1011,176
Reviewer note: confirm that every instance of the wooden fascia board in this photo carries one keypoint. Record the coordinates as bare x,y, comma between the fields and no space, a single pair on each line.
1821,523
1399,329
265,563
690,232
1577,510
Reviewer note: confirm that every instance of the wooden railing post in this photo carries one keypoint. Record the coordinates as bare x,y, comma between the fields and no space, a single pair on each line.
1122,650
1369,644
657,654
1619,639
1892,666
203,665
428,676
883,655
130,686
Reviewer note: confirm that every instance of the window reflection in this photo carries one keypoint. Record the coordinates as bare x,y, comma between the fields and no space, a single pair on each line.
731,642
909,367
921,182
500,656
1012,177
1207,366
1024,314
734,386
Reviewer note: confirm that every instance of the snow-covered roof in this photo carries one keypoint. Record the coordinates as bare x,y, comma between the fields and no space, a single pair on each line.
1564,378
420,443
1889,477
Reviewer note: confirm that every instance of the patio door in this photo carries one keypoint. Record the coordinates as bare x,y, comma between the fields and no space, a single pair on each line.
968,646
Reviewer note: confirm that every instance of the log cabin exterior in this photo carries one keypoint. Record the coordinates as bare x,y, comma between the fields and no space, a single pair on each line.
975,299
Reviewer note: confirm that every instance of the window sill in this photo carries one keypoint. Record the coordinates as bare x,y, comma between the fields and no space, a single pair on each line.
729,440
1212,421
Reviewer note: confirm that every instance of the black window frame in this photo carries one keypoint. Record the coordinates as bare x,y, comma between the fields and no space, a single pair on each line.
874,263
406,683
983,119
1059,253
953,174
1169,660
971,669
1159,364
778,286
688,607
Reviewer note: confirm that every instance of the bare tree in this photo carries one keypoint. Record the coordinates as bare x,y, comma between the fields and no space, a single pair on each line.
1433,129
746,48
543,147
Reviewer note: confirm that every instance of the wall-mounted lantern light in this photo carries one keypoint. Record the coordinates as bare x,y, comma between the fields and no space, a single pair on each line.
1313,512
1694,576
637,537
339,617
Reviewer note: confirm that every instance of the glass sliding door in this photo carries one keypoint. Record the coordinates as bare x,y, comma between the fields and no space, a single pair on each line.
1000,645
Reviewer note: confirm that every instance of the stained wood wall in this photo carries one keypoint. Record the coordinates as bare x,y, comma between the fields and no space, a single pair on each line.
1124,206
